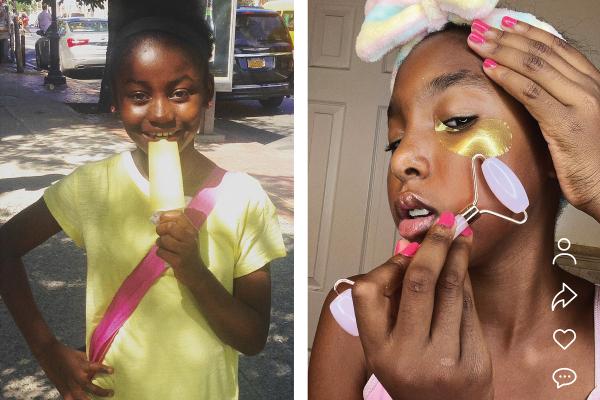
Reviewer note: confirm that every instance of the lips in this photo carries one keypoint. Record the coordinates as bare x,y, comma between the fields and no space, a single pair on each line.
413,225
170,136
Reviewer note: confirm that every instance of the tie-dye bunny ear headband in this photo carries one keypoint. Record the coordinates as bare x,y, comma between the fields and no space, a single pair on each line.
404,23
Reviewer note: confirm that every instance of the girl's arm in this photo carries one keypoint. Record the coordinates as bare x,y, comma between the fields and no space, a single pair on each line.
241,320
25,231
337,368
68,369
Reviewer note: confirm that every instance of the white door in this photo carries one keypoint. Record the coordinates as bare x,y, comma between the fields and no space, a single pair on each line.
350,228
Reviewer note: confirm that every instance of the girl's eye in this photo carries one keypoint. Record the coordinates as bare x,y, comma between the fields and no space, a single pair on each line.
139,97
460,122
181,94
393,146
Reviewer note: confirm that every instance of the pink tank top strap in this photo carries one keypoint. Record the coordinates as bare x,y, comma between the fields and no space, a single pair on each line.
374,390
595,395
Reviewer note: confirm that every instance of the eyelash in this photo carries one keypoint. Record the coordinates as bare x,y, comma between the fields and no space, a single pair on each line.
142,98
468,122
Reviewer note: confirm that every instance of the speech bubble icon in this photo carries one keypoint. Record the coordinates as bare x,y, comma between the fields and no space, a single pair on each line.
564,377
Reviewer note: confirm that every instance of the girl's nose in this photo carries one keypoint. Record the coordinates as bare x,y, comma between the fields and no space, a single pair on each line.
161,112
411,160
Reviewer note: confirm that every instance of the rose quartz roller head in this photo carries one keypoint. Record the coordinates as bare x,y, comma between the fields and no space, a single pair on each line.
507,188
342,308
505,185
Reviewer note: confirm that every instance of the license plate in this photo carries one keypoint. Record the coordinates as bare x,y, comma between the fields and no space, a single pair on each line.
255,63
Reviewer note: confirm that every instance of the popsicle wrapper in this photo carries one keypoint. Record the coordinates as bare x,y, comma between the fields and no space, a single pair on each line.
166,183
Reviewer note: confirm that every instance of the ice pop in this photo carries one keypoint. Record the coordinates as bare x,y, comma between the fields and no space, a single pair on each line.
166,183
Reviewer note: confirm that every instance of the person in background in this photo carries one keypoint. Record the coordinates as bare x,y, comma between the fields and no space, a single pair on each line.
44,19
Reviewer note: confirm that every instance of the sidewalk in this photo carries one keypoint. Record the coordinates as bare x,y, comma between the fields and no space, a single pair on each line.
43,139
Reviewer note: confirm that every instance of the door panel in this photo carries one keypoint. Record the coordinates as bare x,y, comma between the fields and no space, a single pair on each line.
350,227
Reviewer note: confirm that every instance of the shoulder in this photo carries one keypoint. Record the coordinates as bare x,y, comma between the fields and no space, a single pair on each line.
100,166
245,190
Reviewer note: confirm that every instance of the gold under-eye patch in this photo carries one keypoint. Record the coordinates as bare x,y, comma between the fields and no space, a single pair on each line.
490,137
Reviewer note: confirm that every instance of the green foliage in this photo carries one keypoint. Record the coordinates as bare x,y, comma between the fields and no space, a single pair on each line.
245,3
24,5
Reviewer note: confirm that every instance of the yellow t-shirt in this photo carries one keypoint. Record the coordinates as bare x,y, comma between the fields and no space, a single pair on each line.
166,349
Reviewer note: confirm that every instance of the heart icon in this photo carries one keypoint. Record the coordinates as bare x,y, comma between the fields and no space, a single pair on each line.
566,336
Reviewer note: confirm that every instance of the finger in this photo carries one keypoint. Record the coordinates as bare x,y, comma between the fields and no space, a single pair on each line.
96,368
171,215
447,313
537,101
418,286
97,390
182,233
543,45
529,65
77,393
168,242
561,47
375,301
472,345
171,258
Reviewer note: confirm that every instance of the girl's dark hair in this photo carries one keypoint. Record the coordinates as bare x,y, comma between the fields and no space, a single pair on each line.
193,36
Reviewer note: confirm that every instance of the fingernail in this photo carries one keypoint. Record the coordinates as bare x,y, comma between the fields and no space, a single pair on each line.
509,22
446,219
480,26
467,232
489,63
411,249
400,245
476,38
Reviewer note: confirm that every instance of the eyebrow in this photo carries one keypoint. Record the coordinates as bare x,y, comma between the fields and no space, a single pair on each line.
172,83
437,85
463,77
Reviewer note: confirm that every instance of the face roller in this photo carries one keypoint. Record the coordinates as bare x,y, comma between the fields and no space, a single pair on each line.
503,183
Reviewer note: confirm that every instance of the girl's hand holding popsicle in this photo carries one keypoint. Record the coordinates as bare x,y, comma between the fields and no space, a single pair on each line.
178,246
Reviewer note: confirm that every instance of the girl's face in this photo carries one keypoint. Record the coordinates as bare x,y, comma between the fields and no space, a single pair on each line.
159,91
442,80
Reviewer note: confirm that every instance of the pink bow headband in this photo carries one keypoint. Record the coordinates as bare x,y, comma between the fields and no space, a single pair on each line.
404,23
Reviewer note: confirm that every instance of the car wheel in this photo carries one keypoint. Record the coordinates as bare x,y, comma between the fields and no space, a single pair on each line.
272,102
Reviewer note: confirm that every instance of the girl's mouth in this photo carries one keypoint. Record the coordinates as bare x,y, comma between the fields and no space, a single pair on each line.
416,216
170,136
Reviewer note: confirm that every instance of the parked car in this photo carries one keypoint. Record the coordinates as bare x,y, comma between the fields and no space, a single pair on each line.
263,66
82,44
285,8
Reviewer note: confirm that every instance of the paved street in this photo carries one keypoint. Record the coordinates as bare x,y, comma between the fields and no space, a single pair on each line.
43,139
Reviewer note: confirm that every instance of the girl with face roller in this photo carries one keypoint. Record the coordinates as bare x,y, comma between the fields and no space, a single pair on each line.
213,301
470,318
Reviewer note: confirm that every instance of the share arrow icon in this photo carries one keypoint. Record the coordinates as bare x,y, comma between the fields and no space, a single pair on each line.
564,297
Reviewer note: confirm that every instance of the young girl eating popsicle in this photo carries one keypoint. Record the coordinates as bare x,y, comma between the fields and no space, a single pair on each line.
169,305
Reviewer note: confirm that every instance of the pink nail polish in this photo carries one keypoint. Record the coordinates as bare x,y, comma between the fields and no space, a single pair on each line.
508,22
411,249
400,245
489,63
476,38
479,26
446,219
467,232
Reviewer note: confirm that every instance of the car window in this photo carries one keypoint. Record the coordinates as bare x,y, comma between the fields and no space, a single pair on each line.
257,29
288,17
61,28
88,26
